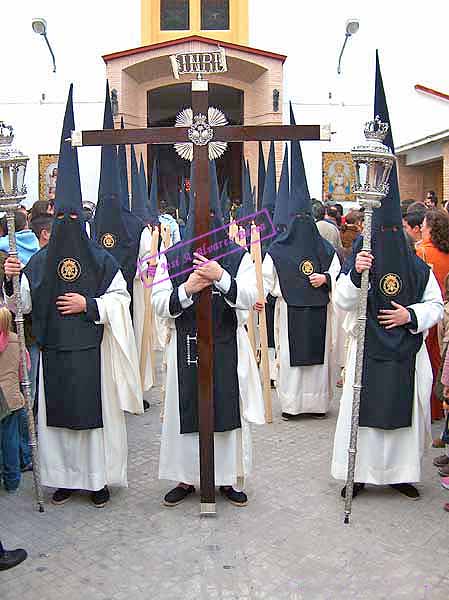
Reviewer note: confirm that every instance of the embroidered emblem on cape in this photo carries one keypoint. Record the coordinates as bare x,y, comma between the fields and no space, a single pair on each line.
108,241
69,269
390,284
307,268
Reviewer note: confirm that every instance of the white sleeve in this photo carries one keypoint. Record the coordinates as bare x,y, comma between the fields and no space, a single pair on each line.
246,285
162,290
25,294
144,249
117,287
269,275
333,271
346,293
431,308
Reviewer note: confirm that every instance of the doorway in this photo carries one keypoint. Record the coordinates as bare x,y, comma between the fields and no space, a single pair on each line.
163,104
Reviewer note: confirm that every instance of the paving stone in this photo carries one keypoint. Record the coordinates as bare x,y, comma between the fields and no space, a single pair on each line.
288,543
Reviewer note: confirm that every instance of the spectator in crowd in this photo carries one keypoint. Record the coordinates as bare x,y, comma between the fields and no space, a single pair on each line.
443,341
41,208
434,250
431,200
329,229
339,208
10,386
27,246
405,204
168,217
11,558
350,230
412,222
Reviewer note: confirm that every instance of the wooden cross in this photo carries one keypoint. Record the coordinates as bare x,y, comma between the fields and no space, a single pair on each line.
171,135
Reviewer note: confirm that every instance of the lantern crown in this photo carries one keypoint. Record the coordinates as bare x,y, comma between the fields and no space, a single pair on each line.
376,130
6,134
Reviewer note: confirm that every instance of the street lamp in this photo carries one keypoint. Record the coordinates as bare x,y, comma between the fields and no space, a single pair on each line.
352,26
39,26
12,191
373,163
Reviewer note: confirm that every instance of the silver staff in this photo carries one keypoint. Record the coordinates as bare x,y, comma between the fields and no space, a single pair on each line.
373,162
12,191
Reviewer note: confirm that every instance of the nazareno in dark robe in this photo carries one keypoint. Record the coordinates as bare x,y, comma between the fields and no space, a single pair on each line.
70,345
388,378
225,380
296,254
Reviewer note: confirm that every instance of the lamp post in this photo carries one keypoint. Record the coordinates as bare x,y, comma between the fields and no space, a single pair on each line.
373,163
12,191
352,26
39,26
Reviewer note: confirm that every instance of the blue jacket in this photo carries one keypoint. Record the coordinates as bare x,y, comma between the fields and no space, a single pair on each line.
27,245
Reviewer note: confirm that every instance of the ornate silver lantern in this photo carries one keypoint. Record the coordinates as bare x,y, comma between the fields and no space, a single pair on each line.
373,163
13,166
12,191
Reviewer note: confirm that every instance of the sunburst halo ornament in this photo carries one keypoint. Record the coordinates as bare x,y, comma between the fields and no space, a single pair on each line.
201,132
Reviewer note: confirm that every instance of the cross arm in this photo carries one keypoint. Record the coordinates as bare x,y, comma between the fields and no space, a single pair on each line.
255,133
151,135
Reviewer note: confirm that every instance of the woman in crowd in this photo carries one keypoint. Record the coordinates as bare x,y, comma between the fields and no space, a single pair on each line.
434,250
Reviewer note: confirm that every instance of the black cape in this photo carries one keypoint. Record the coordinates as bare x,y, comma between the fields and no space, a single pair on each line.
70,344
226,386
296,254
390,355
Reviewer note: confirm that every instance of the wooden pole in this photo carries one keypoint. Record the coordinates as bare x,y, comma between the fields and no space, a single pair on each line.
147,333
266,387
205,340
241,241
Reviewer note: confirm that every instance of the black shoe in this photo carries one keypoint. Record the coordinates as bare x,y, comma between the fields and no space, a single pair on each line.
234,497
288,416
100,498
11,558
318,415
358,487
146,406
27,468
407,489
61,496
177,495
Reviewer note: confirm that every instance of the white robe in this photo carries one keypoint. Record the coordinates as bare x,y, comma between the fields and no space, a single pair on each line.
179,455
139,293
385,456
303,389
91,459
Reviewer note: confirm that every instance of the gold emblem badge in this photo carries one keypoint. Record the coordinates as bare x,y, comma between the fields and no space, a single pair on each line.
108,241
69,269
307,268
390,284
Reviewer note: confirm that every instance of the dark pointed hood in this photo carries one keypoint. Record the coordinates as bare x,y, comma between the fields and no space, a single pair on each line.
225,201
182,210
139,203
71,262
281,213
299,190
269,192
123,167
153,203
215,205
261,173
117,230
389,214
247,207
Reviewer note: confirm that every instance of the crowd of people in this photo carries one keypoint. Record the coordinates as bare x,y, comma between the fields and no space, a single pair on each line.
90,341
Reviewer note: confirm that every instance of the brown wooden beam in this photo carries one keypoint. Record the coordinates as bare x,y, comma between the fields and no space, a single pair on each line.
262,133
205,342
151,135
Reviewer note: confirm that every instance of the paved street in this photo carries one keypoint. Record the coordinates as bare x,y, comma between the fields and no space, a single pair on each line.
290,542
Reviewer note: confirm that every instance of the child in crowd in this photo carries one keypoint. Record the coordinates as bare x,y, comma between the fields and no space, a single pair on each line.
10,385
442,390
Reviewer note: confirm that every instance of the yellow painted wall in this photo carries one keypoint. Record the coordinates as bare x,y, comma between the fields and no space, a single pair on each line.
151,19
